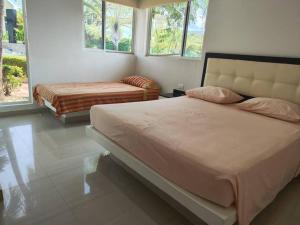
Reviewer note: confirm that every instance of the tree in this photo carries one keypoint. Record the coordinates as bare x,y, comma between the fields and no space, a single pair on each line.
1,36
118,19
20,33
118,25
168,26
93,23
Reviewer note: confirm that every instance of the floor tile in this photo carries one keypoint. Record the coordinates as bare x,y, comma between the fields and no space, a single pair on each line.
285,209
55,163
19,171
65,218
30,202
52,174
63,137
81,184
12,146
37,121
102,210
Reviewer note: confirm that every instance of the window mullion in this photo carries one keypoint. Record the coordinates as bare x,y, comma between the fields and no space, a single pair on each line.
149,31
186,26
103,23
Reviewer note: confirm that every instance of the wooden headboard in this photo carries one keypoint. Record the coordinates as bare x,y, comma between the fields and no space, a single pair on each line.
254,76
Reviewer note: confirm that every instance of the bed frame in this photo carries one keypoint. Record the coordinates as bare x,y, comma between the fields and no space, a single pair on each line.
217,73
74,117
254,58
209,212
254,76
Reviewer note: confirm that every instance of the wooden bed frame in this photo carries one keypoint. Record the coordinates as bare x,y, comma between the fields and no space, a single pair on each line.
207,211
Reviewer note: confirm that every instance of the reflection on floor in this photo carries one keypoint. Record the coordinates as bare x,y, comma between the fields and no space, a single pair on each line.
53,174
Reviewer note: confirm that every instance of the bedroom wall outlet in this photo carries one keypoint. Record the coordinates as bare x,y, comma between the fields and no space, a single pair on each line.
180,86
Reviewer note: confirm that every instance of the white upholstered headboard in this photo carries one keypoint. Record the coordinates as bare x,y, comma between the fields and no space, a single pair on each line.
254,76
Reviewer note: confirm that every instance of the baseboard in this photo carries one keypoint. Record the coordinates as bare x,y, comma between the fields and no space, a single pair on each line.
22,112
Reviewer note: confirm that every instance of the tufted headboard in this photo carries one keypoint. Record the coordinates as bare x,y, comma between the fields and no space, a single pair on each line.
254,76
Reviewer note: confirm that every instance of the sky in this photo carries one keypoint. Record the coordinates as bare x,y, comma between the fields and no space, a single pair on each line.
18,3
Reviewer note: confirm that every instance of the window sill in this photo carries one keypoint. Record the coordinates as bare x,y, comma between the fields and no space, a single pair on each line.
106,51
198,59
111,51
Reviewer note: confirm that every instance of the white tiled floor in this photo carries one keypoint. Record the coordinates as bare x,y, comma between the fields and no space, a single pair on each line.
53,174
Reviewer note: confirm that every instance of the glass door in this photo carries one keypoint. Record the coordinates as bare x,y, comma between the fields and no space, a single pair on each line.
15,82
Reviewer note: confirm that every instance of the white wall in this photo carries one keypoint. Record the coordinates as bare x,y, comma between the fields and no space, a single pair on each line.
263,27
56,50
260,27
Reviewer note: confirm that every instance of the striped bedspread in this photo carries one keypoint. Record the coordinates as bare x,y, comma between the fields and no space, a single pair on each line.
75,97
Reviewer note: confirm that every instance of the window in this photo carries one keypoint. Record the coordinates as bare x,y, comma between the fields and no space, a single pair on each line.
119,20
195,30
15,83
167,29
178,28
110,22
93,33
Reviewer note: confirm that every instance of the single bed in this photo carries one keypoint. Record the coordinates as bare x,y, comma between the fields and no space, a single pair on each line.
69,98
223,164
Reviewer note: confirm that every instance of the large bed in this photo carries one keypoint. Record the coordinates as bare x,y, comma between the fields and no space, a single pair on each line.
223,164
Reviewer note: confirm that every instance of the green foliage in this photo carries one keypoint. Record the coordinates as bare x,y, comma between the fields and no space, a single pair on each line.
166,41
20,33
174,13
194,41
12,78
93,37
5,36
168,27
93,23
19,61
198,5
124,45
194,45
118,30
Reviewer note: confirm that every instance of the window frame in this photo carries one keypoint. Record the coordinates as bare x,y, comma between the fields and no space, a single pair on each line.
8,106
103,31
184,39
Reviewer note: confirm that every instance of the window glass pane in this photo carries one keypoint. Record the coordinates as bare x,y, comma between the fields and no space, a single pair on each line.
92,13
196,28
118,30
14,82
167,29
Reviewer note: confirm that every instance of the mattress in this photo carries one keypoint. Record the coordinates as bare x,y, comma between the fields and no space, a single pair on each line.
75,97
217,152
